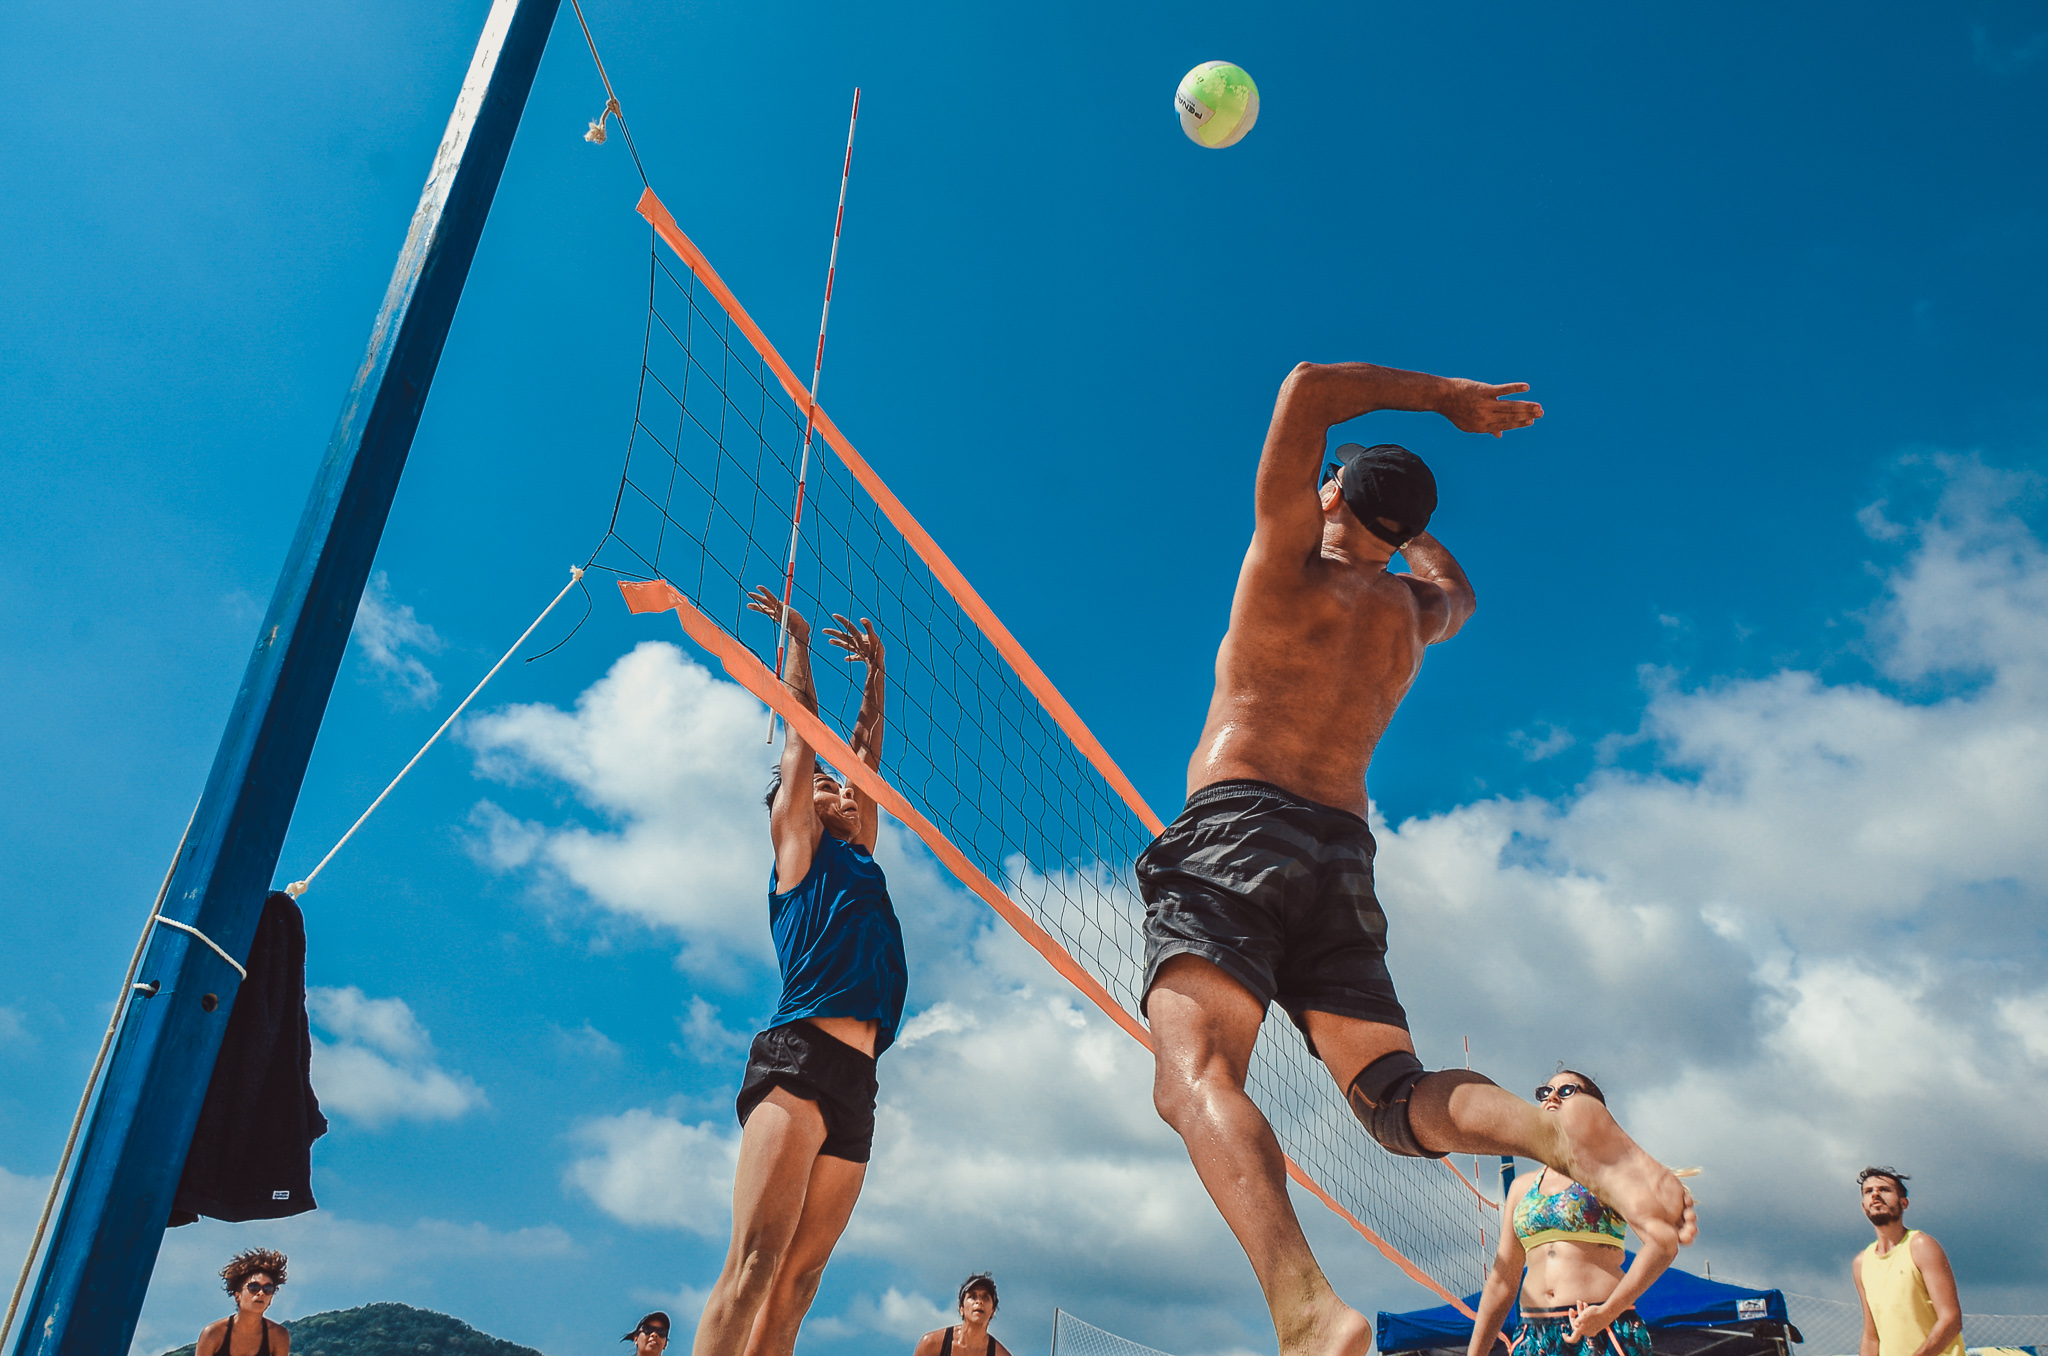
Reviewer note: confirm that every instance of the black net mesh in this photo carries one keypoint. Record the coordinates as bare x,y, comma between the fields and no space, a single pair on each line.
705,503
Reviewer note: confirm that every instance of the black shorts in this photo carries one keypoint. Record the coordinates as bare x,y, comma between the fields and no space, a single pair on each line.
1277,892
818,1068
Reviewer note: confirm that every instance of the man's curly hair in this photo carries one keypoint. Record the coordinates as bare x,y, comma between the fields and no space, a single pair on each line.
255,1262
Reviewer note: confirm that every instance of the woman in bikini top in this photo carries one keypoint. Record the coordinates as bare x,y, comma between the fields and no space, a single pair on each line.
253,1278
1576,1300
970,1336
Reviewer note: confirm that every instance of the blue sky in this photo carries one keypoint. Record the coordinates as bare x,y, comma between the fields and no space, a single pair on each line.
1732,789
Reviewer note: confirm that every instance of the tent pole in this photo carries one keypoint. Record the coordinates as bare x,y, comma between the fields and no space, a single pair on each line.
90,1288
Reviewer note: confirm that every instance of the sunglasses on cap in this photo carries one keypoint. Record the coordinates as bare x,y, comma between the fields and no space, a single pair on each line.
1559,1091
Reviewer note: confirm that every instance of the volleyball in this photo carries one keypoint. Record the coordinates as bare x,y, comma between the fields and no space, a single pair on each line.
1217,103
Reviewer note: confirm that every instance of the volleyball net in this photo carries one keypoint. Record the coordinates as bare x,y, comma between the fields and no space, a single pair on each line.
984,760
1073,1337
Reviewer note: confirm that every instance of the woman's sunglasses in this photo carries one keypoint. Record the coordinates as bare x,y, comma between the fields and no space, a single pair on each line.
1559,1091
261,1287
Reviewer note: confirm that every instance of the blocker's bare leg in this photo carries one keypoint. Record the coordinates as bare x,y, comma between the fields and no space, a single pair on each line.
1463,1113
828,1205
777,1150
1204,1024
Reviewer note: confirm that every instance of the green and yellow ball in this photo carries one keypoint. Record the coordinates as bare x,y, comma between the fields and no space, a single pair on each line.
1217,103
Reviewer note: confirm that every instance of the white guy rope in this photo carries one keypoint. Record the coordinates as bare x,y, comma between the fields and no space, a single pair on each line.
299,887
187,927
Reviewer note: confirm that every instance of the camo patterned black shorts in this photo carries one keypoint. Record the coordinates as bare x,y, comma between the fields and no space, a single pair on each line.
1277,892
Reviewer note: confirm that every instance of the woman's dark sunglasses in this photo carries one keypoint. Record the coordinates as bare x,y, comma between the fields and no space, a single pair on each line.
260,1287
1559,1091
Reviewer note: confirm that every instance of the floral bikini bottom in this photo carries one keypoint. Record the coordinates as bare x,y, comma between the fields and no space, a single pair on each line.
1546,1335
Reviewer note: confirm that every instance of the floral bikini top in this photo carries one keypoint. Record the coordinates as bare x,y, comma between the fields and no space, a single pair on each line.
1573,1215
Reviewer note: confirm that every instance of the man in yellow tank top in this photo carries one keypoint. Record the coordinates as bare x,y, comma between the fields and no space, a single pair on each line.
1904,1279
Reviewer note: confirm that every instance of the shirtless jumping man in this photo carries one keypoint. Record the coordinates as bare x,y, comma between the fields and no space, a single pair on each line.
1262,890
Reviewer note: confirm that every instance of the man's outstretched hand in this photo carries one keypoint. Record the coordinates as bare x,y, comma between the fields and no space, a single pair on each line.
863,645
1478,408
764,601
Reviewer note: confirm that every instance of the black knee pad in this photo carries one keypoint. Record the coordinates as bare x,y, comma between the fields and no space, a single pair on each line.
1379,1098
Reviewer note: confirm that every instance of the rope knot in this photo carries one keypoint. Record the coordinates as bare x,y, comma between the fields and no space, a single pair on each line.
596,134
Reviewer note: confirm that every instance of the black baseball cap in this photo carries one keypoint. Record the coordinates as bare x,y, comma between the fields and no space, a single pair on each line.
1385,481
655,1322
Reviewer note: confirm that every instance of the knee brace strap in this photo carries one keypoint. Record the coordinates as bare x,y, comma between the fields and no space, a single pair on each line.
1379,1098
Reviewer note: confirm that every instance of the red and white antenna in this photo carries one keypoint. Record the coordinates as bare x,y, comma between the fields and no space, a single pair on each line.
796,517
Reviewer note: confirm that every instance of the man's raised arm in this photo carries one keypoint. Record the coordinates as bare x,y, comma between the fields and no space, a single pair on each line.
793,818
1318,396
863,645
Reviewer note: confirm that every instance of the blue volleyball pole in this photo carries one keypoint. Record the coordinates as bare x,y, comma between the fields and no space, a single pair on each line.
96,1272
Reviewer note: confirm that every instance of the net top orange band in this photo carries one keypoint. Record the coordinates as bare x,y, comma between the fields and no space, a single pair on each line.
913,531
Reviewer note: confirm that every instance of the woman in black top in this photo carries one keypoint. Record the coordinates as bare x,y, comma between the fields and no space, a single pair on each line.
970,1336
252,1278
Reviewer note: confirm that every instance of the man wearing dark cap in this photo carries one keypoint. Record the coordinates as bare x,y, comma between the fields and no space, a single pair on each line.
650,1335
1262,890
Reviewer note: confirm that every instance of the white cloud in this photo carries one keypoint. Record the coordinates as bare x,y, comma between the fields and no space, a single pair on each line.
2007,57
242,607
385,633
1537,747
586,1042
379,1066
651,1170
21,1200
671,759
708,1038
2027,1018
892,1313
12,1029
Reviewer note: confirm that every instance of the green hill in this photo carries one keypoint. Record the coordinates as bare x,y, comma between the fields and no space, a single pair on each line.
388,1330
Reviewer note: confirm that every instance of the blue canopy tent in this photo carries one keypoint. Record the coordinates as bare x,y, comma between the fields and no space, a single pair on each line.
1688,1315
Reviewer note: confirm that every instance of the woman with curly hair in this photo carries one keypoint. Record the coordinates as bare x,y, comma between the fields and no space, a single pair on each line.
252,1277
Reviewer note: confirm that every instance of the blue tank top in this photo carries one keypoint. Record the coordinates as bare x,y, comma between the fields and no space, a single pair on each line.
838,942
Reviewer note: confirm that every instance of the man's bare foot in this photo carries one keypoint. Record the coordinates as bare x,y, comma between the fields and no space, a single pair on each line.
1335,1330
1615,1168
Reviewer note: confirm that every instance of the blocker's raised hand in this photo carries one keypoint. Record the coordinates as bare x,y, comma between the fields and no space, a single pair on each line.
862,645
765,601
1477,407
